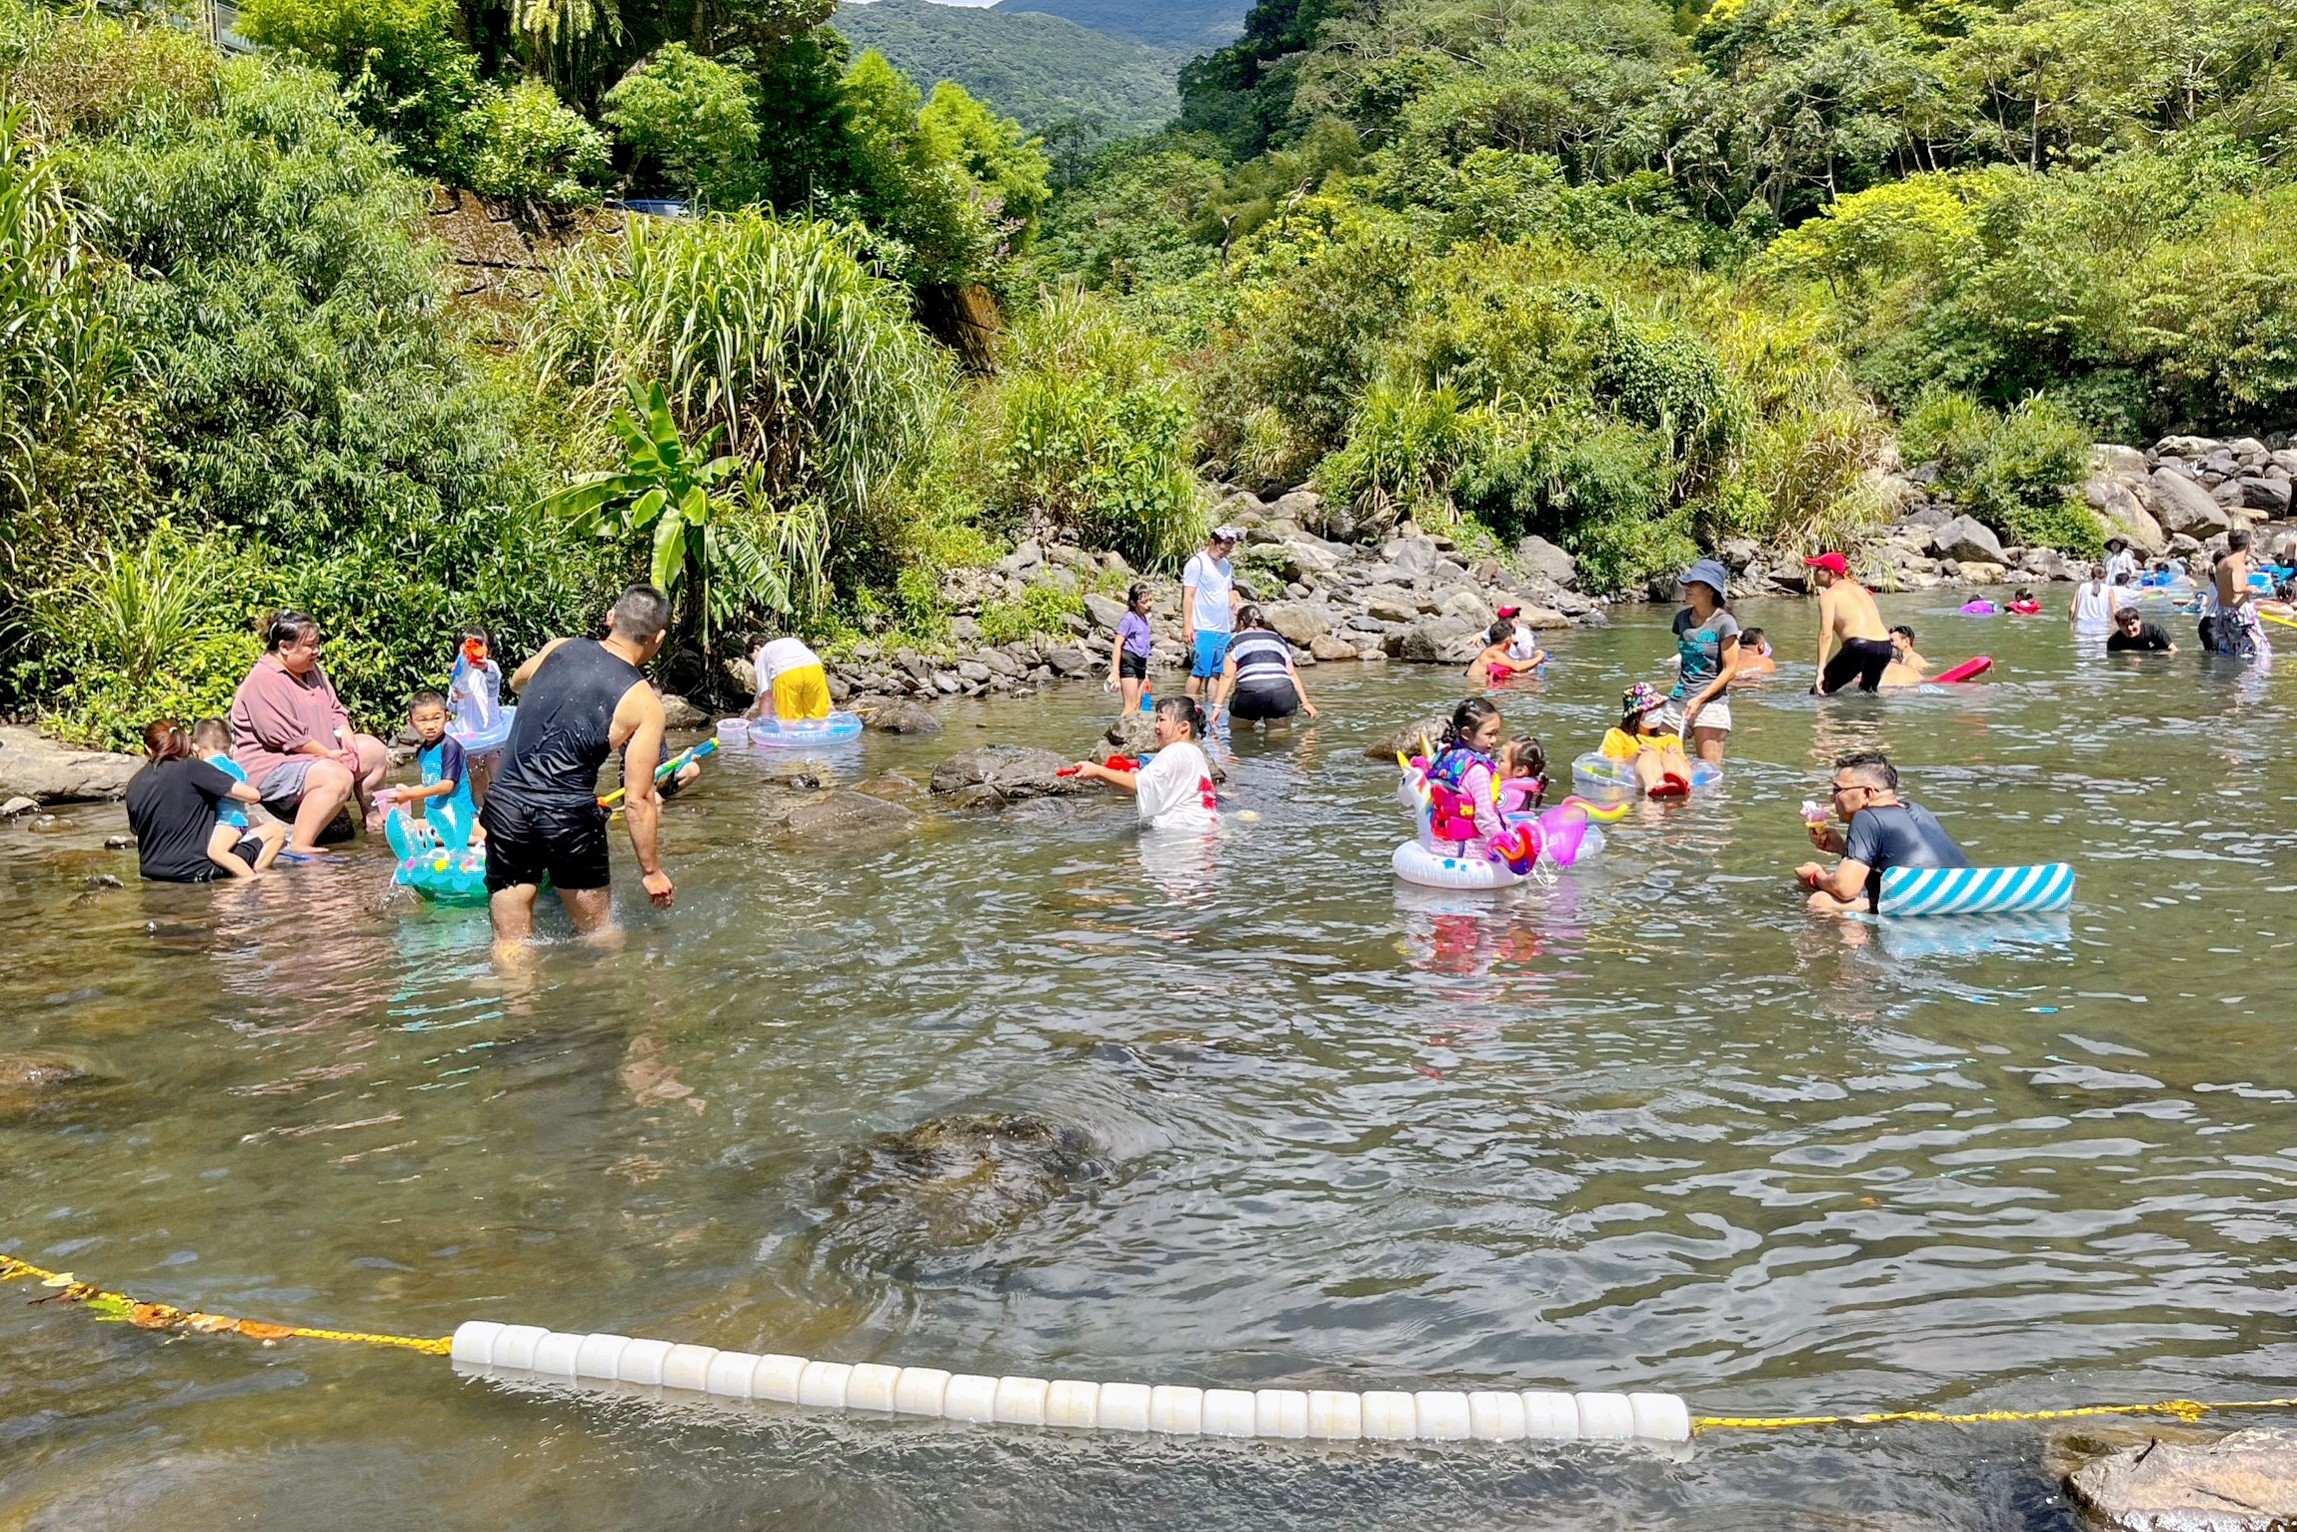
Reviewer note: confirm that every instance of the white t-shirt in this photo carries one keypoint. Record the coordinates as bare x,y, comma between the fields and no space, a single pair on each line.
777,657
1212,579
1523,645
2124,562
1175,790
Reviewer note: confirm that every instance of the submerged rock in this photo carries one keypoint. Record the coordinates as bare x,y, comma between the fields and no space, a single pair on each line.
961,1180
1406,740
2246,1482
31,1078
891,715
999,774
848,821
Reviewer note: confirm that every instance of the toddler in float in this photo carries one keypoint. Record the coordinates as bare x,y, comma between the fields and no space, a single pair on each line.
1661,770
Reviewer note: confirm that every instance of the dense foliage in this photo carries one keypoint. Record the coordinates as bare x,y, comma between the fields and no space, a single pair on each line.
1076,87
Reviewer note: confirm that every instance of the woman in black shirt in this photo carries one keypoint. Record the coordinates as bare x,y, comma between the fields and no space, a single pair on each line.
171,808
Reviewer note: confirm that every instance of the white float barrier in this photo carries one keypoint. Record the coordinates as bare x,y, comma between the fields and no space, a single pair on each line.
1429,1415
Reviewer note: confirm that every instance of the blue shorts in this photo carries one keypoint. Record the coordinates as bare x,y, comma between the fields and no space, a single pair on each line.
1211,655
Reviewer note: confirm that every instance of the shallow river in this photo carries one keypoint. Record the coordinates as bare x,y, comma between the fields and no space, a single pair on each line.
1650,1128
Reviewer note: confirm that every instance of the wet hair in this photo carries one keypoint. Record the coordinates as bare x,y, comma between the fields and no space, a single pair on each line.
1872,765
1249,616
1528,754
426,698
1499,632
1183,710
2237,541
1903,631
1468,717
2129,614
2025,593
641,612
164,740
211,729
1751,636
281,629
1133,597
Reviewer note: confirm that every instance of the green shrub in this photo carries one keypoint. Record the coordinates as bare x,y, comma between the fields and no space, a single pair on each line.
1043,609
1404,449
524,145
689,122
402,70
2015,471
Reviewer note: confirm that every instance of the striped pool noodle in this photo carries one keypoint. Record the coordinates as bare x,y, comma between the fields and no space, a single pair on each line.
1976,890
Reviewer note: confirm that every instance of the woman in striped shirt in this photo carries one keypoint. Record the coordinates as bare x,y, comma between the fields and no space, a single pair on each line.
1260,683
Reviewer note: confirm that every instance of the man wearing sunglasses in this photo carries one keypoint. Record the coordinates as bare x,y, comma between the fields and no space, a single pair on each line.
1883,832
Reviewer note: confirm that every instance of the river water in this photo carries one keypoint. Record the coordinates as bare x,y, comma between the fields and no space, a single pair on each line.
1650,1128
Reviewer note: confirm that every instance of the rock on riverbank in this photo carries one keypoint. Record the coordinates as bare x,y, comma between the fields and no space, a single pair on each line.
2245,1482
46,772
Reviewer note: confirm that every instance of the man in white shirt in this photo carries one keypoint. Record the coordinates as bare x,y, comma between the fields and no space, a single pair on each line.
1208,603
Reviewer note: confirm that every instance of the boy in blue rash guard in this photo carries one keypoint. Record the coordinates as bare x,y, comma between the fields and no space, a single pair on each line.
444,795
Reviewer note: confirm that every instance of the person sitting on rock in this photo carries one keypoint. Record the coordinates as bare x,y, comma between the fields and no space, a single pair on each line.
1883,832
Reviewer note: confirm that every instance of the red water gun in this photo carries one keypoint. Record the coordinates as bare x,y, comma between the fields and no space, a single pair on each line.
1113,763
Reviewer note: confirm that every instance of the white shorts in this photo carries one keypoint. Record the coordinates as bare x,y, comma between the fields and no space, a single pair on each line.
1715,715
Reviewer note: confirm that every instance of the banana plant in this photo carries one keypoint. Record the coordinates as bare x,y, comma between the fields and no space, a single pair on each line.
666,489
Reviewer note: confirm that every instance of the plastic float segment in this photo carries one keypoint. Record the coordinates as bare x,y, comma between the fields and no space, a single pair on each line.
1280,1412
1228,1412
514,1347
1073,1404
870,1386
1334,1416
730,1374
1495,1417
776,1378
554,1354
688,1367
920,1390
1549,1416
1443,1415
1605,1417
822,1385
1124,1407
1176,1409
1389,1416
596,1356
971,1397
474,1341
1660,1417
1021,1401
641,1362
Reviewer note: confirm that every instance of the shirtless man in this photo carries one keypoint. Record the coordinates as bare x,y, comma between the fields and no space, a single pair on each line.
1846,612
2229,620
582,699
1907,665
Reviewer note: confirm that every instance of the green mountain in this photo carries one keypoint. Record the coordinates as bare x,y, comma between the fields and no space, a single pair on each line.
1038,68
1188,27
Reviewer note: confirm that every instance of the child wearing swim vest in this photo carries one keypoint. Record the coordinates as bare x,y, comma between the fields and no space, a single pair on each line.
1523,776
1463,779
1661,770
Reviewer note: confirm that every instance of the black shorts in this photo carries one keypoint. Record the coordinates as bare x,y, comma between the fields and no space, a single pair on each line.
1132,667
1258,704
525,846
1860,659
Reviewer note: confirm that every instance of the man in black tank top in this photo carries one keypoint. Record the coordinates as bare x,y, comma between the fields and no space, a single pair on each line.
580,700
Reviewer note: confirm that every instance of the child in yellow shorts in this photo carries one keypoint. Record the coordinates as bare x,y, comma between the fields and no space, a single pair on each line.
791,681
1661,769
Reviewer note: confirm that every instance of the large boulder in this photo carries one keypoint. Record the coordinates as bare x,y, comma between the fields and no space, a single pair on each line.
1544,558
2270,496
1330,646
1302,557
896,715
847,821
1414,558
2127,462
1967,540
2182,505
2245,1482
1444,640
46,772
994,775
1301,622
1406,740
2114,497
1105,611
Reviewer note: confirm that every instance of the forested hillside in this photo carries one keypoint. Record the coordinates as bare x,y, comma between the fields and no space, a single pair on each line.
1056,77
1187,27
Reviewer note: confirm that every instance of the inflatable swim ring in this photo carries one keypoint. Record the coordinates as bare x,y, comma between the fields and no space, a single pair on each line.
487,740
1980,607
1602,780
772,734
1468,868
442,873
1976,890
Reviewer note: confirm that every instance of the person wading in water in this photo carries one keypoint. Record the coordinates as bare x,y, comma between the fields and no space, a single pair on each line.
1846,612
581,700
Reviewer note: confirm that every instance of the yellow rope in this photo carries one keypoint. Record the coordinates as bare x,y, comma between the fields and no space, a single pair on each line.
2182,1409
162,1316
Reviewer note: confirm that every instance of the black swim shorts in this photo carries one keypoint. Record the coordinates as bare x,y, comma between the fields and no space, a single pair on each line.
524,846
1132,667
1257,704
1860,659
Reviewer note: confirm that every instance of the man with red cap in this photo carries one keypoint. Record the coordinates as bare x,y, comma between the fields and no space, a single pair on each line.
1847,614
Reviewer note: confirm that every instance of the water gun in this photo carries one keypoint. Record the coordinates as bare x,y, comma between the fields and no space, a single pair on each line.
667,769
1113,763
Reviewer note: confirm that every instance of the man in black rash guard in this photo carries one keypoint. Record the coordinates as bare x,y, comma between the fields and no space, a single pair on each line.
1884,832
581,700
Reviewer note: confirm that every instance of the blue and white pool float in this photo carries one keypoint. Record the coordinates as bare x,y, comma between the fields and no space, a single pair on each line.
1600,779
774,734
1976,890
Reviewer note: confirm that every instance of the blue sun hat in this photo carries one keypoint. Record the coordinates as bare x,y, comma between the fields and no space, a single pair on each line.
1710,573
